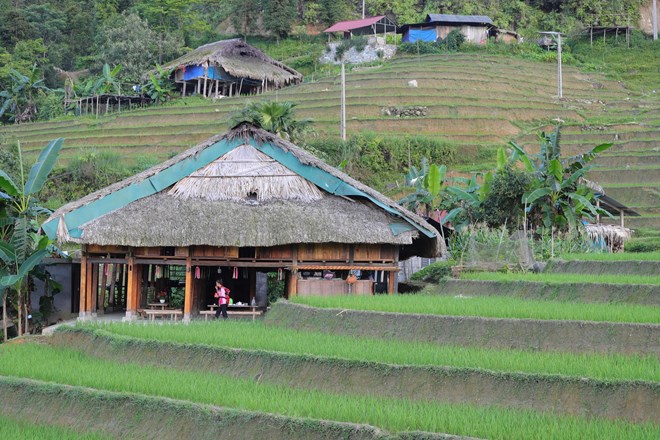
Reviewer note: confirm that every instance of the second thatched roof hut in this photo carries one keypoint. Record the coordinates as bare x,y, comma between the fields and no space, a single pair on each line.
227,68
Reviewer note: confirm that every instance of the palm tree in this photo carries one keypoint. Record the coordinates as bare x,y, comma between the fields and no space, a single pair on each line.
22,246
275,117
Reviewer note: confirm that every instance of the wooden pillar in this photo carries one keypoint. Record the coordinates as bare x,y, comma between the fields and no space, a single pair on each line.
82,311
621,218
391,279
94,289
183,92
292,285
206,80
199,85
132,289
188,299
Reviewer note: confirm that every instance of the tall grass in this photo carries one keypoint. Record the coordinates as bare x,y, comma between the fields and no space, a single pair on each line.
256,336
22,429
489,307
396,415
624,256
564,277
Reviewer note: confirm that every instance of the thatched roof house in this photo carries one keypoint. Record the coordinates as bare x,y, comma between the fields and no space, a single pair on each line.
229,67
246,199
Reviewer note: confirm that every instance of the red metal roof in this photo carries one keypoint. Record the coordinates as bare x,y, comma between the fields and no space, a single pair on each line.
345,26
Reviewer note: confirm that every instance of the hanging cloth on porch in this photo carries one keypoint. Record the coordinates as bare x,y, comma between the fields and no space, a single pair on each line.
158,272
280,274
106,269
235,274
198,273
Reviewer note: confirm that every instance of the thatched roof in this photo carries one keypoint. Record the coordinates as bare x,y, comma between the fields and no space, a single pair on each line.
240,60
246,188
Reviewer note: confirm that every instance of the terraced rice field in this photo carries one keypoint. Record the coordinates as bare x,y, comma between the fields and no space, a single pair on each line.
472,99
394,371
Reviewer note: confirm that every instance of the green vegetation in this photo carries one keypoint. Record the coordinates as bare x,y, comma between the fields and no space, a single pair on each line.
621,256
489,307
256,336
564,277
24,429
396,415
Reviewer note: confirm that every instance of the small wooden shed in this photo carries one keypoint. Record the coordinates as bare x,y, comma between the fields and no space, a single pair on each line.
476,28
233,207
366,26
228,68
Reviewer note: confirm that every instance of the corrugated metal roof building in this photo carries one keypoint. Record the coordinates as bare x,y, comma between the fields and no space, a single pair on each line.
476,28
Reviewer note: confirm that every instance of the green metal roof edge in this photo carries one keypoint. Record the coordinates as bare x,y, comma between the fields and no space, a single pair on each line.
330,183
138,190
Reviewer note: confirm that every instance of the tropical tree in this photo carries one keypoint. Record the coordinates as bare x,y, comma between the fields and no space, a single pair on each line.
275,117
20,102
22,246
427,182
108,82
159,87
558,196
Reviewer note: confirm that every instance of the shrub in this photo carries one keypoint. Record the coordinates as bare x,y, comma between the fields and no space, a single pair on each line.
643,245
434,272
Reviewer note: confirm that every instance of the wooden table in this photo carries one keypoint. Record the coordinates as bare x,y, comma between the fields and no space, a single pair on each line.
158,305
173,314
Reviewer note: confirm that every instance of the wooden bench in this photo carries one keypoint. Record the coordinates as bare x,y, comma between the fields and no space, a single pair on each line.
233,309
172,314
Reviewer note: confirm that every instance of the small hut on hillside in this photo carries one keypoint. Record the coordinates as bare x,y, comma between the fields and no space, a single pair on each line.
476,28
366,26
236,207
229,67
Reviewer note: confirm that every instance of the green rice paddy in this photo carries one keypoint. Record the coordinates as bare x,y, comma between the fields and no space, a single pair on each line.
623,256
563,278
23,429
395,415
489,307
257,336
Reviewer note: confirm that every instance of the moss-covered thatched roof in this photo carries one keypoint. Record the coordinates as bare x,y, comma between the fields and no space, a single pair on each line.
240,60
246,188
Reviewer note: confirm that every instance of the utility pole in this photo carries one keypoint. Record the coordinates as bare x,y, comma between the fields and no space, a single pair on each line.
557,37
654,18
364,0
343,101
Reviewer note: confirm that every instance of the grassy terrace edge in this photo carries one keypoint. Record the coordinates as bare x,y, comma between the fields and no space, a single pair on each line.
259,340
129,415
525,334
395,415
489,307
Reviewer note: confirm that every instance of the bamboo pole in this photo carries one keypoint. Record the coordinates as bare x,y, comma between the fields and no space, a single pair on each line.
4,316
104,280
82,309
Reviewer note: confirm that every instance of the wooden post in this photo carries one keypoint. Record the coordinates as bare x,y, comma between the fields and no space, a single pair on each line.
111,293
205,82
94,289
597,215
199,85
292,287
188,299
391,282
183,92
621,218
82,311
231,89
104,281
132,287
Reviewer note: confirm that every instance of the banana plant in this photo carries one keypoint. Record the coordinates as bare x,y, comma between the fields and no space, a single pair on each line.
20,102
427,182
558,196
108,82
22,246
159,87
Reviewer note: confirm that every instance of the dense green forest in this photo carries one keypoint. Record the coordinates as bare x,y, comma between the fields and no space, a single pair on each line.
84,34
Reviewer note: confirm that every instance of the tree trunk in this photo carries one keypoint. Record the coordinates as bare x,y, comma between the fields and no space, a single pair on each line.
20,312
4,316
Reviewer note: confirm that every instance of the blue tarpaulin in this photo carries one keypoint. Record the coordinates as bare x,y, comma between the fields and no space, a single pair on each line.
413,35
193,72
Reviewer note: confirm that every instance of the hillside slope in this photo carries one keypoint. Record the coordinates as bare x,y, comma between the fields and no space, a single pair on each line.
475,101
